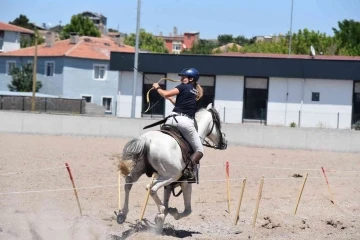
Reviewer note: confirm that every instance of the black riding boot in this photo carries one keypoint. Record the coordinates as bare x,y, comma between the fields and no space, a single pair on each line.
195,159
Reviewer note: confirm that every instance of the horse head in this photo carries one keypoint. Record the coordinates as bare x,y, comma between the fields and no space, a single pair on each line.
209,120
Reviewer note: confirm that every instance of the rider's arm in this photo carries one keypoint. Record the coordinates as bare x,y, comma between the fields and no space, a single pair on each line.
168,93
171,99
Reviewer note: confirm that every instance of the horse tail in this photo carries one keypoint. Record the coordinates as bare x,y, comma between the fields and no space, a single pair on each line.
135,150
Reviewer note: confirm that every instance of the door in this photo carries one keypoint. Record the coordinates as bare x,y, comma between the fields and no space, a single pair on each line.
208,85
356,102
157,102
255,99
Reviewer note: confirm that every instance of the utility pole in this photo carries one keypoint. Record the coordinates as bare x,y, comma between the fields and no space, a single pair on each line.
292,5
133,103
34,74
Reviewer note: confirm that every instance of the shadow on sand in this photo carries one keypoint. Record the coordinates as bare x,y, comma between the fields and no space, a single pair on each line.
168,230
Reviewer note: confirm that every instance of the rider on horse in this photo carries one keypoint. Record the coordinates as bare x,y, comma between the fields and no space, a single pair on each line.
188,93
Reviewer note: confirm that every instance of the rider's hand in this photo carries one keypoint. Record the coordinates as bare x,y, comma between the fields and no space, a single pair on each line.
156,85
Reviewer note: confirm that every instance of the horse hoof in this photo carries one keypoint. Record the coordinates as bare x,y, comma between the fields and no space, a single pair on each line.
159,220
120,218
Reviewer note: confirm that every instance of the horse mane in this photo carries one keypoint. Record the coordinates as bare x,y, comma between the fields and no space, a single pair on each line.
202,111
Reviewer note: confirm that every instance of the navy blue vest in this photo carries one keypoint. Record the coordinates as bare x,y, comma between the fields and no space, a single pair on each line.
186,99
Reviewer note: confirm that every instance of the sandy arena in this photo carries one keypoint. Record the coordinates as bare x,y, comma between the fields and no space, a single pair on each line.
50,210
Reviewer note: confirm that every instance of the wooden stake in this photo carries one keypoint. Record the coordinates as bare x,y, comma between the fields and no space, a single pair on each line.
300,193
258,201
34,74
240,200
147,198
228,185
327,182
119,180
73,184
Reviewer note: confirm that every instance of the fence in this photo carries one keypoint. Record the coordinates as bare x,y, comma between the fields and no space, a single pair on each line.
291,118
43,104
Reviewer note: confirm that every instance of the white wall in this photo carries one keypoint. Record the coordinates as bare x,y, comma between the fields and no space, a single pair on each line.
229,97
335,97
125,94
236,134
11,41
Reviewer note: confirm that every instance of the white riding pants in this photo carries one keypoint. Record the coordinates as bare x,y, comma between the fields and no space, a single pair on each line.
187,127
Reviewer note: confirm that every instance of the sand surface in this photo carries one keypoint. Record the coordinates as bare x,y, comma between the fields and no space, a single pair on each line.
37,200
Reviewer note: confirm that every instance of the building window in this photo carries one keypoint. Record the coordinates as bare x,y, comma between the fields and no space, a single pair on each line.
107,104
10,65
99,72
315,97
88,98
2,33
208,85
49,69
157,102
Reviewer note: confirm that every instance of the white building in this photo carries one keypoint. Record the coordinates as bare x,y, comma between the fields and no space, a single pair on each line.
323,91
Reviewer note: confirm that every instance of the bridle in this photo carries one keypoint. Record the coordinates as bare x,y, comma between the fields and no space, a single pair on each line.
216,121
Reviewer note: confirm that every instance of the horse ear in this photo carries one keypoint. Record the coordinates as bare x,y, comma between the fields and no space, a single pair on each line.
217,108
209,106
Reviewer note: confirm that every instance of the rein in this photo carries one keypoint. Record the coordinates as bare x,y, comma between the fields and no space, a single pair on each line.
222,145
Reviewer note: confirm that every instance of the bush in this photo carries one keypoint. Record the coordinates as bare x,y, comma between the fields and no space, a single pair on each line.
292,124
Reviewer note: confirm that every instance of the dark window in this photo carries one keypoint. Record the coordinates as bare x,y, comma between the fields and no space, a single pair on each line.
315,97
157,102
208,85
87,99
357,97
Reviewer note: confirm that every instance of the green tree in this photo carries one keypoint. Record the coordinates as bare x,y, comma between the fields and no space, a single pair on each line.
303,39
22,21
147,42
22,79
25,40
242,40
80,25
225,39
348,37
201,47
300,44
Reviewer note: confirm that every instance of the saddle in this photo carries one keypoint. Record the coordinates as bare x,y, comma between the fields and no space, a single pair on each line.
185,147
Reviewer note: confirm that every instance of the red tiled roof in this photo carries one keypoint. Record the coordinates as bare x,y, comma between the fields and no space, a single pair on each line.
86,47
13,28
273,55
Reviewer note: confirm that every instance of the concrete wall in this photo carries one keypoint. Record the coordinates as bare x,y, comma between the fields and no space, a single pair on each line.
11,41
79,80
52,85
236,134
297,106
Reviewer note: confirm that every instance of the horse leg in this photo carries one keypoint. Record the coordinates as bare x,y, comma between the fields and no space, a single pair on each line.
186,188
167,194
160,182
129,179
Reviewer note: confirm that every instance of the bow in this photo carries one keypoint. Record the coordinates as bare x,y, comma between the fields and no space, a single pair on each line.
147,94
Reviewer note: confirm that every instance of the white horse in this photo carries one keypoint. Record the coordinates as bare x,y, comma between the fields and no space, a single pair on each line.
162,152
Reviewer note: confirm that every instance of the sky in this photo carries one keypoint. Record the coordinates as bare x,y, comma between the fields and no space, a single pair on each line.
209,17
